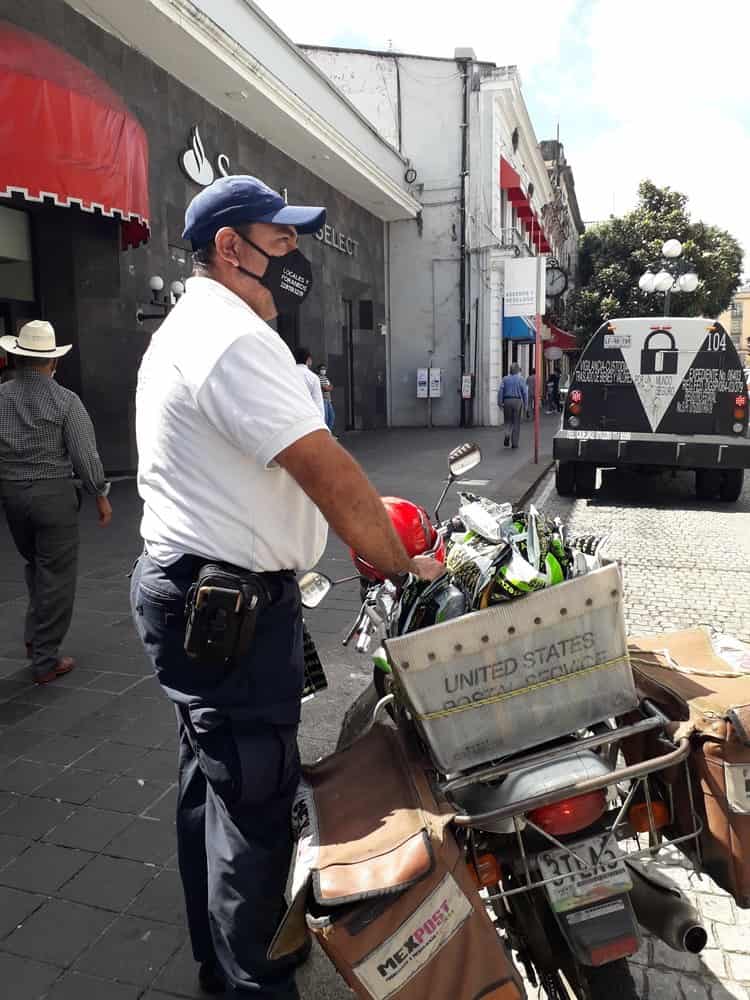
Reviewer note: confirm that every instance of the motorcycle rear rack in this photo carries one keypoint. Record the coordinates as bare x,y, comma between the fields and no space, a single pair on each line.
637,775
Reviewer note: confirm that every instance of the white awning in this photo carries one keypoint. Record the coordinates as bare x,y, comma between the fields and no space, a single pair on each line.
236,58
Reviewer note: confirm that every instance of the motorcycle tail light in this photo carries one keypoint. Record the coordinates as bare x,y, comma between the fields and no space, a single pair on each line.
638,816
570,815
485,870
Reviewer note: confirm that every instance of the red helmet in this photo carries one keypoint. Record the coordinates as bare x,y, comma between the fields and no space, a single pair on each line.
414,528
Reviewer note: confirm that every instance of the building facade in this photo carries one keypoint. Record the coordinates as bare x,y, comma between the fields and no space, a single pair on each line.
486,196
83,231
736,320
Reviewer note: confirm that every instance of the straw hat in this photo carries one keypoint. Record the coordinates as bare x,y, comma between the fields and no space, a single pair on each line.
35,340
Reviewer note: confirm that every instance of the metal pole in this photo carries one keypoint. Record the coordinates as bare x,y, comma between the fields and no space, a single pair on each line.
538,359
667,295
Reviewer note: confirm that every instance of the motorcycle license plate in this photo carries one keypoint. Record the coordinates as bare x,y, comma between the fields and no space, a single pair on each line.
577,884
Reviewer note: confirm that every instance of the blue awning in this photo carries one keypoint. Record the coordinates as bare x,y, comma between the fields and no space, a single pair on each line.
519,328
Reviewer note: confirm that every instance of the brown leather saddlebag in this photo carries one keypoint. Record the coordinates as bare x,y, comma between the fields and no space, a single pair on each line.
709,701
383,885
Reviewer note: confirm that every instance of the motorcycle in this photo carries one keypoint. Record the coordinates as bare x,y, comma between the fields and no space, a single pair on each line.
551,829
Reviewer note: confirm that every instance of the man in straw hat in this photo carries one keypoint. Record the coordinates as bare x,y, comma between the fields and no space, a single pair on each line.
45,436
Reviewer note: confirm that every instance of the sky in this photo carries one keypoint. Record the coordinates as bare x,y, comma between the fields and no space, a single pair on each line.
655,89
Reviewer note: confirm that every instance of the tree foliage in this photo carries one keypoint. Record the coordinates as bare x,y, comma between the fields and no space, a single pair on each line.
614,254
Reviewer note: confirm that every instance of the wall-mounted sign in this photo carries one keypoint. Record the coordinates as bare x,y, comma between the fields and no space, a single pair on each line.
436,385
422,383
339,241
466,386
196,165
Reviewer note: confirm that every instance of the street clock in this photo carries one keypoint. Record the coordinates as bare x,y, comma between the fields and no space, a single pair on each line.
556,281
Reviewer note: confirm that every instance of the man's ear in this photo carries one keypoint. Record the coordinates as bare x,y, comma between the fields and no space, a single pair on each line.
227,242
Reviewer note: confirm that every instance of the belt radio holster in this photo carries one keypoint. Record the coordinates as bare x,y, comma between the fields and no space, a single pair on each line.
222,610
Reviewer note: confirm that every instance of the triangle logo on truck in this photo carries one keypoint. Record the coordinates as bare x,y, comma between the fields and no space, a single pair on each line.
658,362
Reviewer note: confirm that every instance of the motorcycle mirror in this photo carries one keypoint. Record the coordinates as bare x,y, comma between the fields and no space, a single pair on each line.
314,587
467,456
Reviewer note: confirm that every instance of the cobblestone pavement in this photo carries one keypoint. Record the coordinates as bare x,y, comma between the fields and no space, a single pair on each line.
685,563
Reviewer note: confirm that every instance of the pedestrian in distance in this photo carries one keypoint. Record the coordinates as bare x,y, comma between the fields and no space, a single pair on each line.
239,475
531,391
513,397
327,387
46,436
304,363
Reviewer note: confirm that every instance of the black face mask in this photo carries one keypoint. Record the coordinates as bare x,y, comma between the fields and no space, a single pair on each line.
287,278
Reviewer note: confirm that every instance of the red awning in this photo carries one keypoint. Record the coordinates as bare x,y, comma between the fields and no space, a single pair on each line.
65,135
511,182
565,341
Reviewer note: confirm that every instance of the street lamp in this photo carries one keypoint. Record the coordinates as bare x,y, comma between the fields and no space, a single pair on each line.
675,275
164,303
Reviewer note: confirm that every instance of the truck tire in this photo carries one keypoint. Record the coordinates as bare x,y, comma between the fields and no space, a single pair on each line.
585,479
731,485
565,479
707,483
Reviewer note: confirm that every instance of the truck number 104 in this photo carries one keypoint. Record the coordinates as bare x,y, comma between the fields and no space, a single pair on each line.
715,341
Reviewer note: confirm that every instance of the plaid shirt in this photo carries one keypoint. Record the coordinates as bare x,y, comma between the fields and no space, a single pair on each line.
46,433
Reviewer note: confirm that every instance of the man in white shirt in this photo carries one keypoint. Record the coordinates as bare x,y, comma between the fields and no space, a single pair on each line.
304,363
236,466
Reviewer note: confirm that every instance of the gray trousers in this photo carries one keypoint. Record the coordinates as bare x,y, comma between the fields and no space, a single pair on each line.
512,410
43,520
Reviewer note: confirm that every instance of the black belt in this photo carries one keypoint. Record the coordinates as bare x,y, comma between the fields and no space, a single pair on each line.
191,565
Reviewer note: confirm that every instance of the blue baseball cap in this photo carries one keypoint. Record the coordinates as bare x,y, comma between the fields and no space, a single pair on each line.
237,199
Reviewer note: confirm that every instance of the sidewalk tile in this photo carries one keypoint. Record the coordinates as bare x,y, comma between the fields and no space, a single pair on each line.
30,817
88,828
133,950
75,986
74,785
180,976
147,840
165,808
110,883
13,742
15,907
58,932
161,765
129,794
11,847
61,750
112,756
12,712
25,980
162,899
24,776
43,868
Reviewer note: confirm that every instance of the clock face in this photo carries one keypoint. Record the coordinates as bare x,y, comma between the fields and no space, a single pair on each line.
557,281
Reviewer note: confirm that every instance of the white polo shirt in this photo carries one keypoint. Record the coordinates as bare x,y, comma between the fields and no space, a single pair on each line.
219,396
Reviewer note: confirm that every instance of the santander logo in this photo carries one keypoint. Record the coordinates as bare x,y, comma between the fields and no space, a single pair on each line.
195,164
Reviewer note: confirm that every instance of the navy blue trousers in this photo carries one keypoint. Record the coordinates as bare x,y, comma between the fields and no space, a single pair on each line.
238,772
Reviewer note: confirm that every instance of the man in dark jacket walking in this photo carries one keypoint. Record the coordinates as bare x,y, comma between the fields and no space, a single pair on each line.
513,396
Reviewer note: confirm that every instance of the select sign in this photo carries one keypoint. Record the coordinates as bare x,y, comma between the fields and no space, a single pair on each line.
333,238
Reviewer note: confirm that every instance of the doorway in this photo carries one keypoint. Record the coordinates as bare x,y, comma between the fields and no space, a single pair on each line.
17,286
347,337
